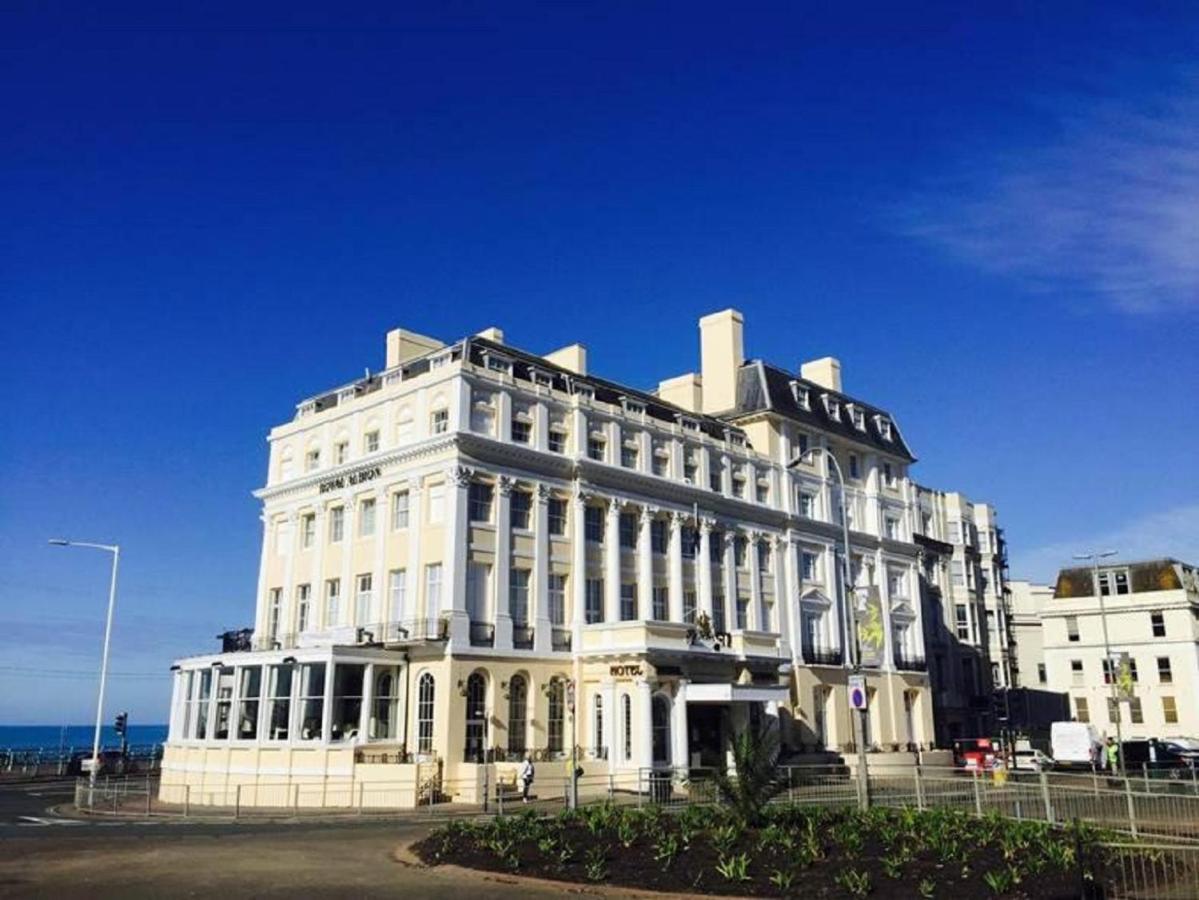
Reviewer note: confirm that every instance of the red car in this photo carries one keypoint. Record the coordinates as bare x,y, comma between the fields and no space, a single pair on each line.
976,754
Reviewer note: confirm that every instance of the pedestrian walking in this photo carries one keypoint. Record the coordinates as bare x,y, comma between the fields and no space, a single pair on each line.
526,779
1113,755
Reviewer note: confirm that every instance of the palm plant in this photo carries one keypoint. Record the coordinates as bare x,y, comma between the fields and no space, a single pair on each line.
755,778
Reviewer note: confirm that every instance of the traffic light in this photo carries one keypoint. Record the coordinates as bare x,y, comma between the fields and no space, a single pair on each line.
122,723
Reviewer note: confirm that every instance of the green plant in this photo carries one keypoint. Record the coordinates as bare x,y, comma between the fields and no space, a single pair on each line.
595,866
853,882
734,868
755,779
999,880
893,865
724,837
666,849
626,832
782,880
926,888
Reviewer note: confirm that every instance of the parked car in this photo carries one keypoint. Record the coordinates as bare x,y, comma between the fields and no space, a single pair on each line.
1159,759
111,762
1031,760
975,754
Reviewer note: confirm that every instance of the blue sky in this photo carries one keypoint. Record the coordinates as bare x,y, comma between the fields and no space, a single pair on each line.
990,215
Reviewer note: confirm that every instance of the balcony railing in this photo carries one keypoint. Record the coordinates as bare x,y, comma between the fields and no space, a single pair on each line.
822,657
414,630
522,637
239,641
910,662
384,756
560,639
482,634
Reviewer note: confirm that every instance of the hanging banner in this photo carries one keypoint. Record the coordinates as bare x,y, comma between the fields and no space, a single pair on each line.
871,637
1125,686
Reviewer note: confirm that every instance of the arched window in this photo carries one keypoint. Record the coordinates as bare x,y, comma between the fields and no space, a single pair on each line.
556,717
424,714
518,705
661,728
476,717
405,430
598,725
626,703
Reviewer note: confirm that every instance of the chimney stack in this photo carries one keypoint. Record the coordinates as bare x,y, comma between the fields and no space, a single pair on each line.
825,372
722,351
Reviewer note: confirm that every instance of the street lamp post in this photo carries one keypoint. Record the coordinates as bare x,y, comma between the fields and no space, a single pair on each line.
115,550
1094,558
853,651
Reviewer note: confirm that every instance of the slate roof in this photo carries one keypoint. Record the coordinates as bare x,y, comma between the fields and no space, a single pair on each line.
762,387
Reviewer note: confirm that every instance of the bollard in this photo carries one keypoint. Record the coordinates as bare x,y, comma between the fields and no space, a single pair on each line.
361,796
1045,798
1132,807
296,803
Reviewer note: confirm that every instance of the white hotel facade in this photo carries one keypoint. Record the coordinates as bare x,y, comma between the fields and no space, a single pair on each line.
458,546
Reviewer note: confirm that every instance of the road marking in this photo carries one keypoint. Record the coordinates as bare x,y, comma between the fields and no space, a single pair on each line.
42,820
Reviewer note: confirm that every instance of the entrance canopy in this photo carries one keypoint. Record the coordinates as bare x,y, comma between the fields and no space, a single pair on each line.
735,693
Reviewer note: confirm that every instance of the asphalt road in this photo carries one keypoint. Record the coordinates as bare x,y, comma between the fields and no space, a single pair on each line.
44,854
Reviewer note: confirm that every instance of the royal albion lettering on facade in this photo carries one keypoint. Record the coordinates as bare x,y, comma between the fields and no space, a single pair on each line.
353,478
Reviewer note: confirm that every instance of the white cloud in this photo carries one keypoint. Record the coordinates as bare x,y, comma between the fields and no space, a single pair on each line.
1110,205
1174,532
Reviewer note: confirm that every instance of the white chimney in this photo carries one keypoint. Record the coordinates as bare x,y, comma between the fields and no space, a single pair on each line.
722,351
825,372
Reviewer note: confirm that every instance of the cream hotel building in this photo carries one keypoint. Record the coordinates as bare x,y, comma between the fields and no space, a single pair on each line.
479,554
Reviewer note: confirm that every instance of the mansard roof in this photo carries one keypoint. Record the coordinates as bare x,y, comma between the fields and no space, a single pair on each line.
762,387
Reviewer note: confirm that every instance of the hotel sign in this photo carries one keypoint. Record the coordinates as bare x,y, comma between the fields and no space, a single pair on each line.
362,475
625,671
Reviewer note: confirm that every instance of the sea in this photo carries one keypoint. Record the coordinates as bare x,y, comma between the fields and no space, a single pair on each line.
53,737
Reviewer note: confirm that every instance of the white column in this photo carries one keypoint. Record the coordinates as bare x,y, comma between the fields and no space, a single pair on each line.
578,565
540,614
611,721
753,621
413,580
500,575
643,732
704,567
884,578
454,560
541,425
612,561
785,580
173,727
678,728
729,570
349,590
287,611
316,600
368,702
675,549
327,705
260,619
379,579
645,564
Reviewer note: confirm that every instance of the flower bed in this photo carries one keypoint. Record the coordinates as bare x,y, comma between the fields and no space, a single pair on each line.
792,850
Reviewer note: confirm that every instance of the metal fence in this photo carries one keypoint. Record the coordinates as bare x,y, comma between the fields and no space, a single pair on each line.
1145,871
31,762
1117,804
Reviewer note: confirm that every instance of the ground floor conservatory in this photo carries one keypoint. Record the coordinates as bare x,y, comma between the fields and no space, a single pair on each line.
374,726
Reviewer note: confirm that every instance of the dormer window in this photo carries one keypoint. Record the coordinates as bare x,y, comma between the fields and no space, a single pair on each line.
803,397
884,427
522,426
582,390
661,461
498,363
544,379
858,415
632,407
688,423
832,406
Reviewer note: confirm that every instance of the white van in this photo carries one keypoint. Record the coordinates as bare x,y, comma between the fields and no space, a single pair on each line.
1075,745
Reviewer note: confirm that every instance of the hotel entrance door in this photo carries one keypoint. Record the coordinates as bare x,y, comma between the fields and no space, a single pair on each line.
707,726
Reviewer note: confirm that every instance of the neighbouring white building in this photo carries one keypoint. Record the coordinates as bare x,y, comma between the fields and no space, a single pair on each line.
1152,611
